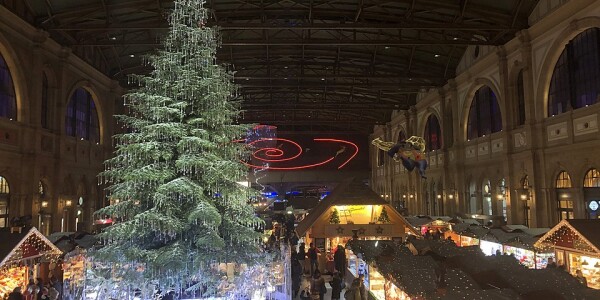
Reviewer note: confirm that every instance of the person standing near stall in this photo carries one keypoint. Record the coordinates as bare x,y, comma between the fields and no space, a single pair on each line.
313,255
339,259
336,286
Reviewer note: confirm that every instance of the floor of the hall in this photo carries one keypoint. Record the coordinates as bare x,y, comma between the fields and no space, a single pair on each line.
306,282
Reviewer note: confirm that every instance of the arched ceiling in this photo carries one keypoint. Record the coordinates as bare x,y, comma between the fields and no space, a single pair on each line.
319,65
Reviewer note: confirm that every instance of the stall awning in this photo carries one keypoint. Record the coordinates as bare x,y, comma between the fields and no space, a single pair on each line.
567,232
25,244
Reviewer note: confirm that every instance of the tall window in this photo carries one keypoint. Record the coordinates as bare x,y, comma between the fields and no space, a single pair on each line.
8,100
401,135
520,99
44,113
563,197
82,118
591,183
592,179
4,201
380,157
575,82
484,114
433,134
487,199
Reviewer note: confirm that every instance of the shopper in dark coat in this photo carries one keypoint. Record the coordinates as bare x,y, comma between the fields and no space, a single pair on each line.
16,294
339,259
336,286
302,256
296,276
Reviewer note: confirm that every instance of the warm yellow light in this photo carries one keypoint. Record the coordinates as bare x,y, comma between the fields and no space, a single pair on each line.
451,196
499,196
439,196
523,197
412,196
44,203
69,203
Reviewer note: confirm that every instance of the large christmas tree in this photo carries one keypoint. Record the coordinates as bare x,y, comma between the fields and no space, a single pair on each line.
176,203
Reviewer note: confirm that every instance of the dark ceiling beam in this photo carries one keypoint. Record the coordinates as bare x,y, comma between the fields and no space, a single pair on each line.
325,84
311,42
308,26
344,123
319,107
347,76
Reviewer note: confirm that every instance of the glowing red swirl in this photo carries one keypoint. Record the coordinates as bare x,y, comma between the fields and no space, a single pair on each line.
273,155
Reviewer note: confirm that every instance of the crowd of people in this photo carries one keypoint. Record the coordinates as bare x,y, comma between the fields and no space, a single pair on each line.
38,290
305,265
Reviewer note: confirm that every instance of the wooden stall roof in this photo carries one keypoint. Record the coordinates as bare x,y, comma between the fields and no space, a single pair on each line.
348,192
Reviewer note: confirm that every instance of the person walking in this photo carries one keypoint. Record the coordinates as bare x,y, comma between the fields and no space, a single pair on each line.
296,277
16,294
353,293
339,259
317,286
302,256
362,288
313,255
336,286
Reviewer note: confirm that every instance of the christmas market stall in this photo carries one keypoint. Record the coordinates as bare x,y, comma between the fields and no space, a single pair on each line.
26,254
352,209
576,245
466,234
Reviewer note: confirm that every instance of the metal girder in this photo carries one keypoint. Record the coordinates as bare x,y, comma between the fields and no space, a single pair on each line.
318,107
325,84
340,123
226,26
311,42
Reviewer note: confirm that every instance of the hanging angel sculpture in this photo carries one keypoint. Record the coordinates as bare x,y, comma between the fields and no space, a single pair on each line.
411,152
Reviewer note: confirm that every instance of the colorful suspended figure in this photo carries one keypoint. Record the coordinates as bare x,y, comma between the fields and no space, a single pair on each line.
411,152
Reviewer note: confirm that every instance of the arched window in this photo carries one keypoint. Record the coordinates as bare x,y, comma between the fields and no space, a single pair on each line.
564,198
520,99
486,205
525,182
401,135
575,81
44,112
41,189
81,120
592,179
380,157
8,100
563,181
433,134
484,114
4,201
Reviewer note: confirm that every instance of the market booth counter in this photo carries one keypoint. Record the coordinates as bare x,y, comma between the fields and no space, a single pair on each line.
576,244
351,211
25,254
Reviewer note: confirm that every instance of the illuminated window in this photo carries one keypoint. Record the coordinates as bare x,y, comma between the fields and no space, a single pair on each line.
564,199
4,201
8,100
563,181
575,82
81,120
433,134
520,99
44,113
484,114
592,179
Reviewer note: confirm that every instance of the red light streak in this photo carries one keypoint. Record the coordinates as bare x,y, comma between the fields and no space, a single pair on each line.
271,153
